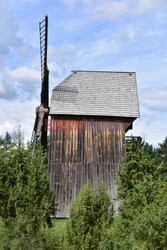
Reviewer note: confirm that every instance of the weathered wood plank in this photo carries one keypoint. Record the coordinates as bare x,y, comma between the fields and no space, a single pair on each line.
81,149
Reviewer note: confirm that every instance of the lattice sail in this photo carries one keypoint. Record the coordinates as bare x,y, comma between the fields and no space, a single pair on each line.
39,130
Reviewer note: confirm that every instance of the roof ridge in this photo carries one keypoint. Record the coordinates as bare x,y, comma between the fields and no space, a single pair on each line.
103,71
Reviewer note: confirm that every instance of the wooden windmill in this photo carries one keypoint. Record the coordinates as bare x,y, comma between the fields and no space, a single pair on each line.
42,111
91,111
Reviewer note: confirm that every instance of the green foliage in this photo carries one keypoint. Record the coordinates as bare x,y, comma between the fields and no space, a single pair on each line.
59,226
7,140
26,201
24,186
161,158
142,219
137,164
18,235
90,217
139,143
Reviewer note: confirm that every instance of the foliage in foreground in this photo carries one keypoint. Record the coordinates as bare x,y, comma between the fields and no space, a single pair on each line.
26,201
161,158
137,164
142,219
90,217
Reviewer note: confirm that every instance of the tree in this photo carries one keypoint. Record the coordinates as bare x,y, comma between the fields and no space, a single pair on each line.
142,217
90,216
137,163
161,158
139,143
26,201
7,140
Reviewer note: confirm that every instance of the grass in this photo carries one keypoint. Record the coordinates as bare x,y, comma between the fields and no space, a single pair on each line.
59,226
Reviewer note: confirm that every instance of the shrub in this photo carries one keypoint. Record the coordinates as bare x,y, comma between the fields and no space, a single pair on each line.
136,165
26,201
142,217
142,220
91,214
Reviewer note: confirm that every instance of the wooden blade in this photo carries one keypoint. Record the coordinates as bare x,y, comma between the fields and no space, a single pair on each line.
43,30
42,111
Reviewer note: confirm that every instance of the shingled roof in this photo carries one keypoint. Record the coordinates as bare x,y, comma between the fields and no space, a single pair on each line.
96,93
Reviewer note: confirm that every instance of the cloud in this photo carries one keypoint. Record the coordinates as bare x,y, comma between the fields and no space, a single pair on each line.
155,99
6,126
110,44
71,2
60,52
100,47
144,6
23,1
10,41
154,133
110,9
60,59
114,9
21,83
23,74
16,114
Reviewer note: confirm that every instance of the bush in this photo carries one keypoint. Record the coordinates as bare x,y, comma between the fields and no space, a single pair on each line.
19,235
136,165
142,218
26,201
90,217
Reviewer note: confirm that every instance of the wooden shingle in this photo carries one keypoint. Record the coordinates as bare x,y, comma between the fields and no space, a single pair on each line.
96,93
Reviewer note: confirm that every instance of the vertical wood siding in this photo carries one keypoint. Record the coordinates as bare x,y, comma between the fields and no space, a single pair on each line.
81,150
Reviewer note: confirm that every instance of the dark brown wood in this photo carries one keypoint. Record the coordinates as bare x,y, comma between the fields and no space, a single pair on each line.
83,149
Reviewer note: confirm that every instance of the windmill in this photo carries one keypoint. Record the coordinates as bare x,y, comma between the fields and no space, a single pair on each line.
42,112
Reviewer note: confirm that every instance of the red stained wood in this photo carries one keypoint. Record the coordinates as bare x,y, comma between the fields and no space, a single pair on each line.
83,149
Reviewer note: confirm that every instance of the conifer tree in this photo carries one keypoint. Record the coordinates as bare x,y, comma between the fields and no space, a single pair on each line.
137,164
161,158
24,186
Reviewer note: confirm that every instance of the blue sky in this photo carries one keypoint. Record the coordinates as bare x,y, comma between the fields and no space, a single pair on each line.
116,35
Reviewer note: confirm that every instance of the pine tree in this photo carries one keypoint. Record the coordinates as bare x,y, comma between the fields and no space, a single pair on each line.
161,158
24,186
91,215
137,163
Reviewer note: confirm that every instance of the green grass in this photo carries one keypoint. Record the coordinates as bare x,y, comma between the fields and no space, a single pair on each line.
59,226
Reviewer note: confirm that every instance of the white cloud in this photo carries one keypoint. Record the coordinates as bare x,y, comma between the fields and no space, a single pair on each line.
144,6
150,127
100,47
23,74
110,9
2,90
10,41
23,1
59,61
110,44
114,9
60,52
21,82
16,114
155,99
6,126
71,2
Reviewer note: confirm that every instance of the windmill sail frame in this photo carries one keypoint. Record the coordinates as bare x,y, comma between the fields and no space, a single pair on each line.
42,112
43,29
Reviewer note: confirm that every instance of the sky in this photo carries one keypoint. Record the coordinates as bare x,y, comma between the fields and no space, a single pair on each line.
112,35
